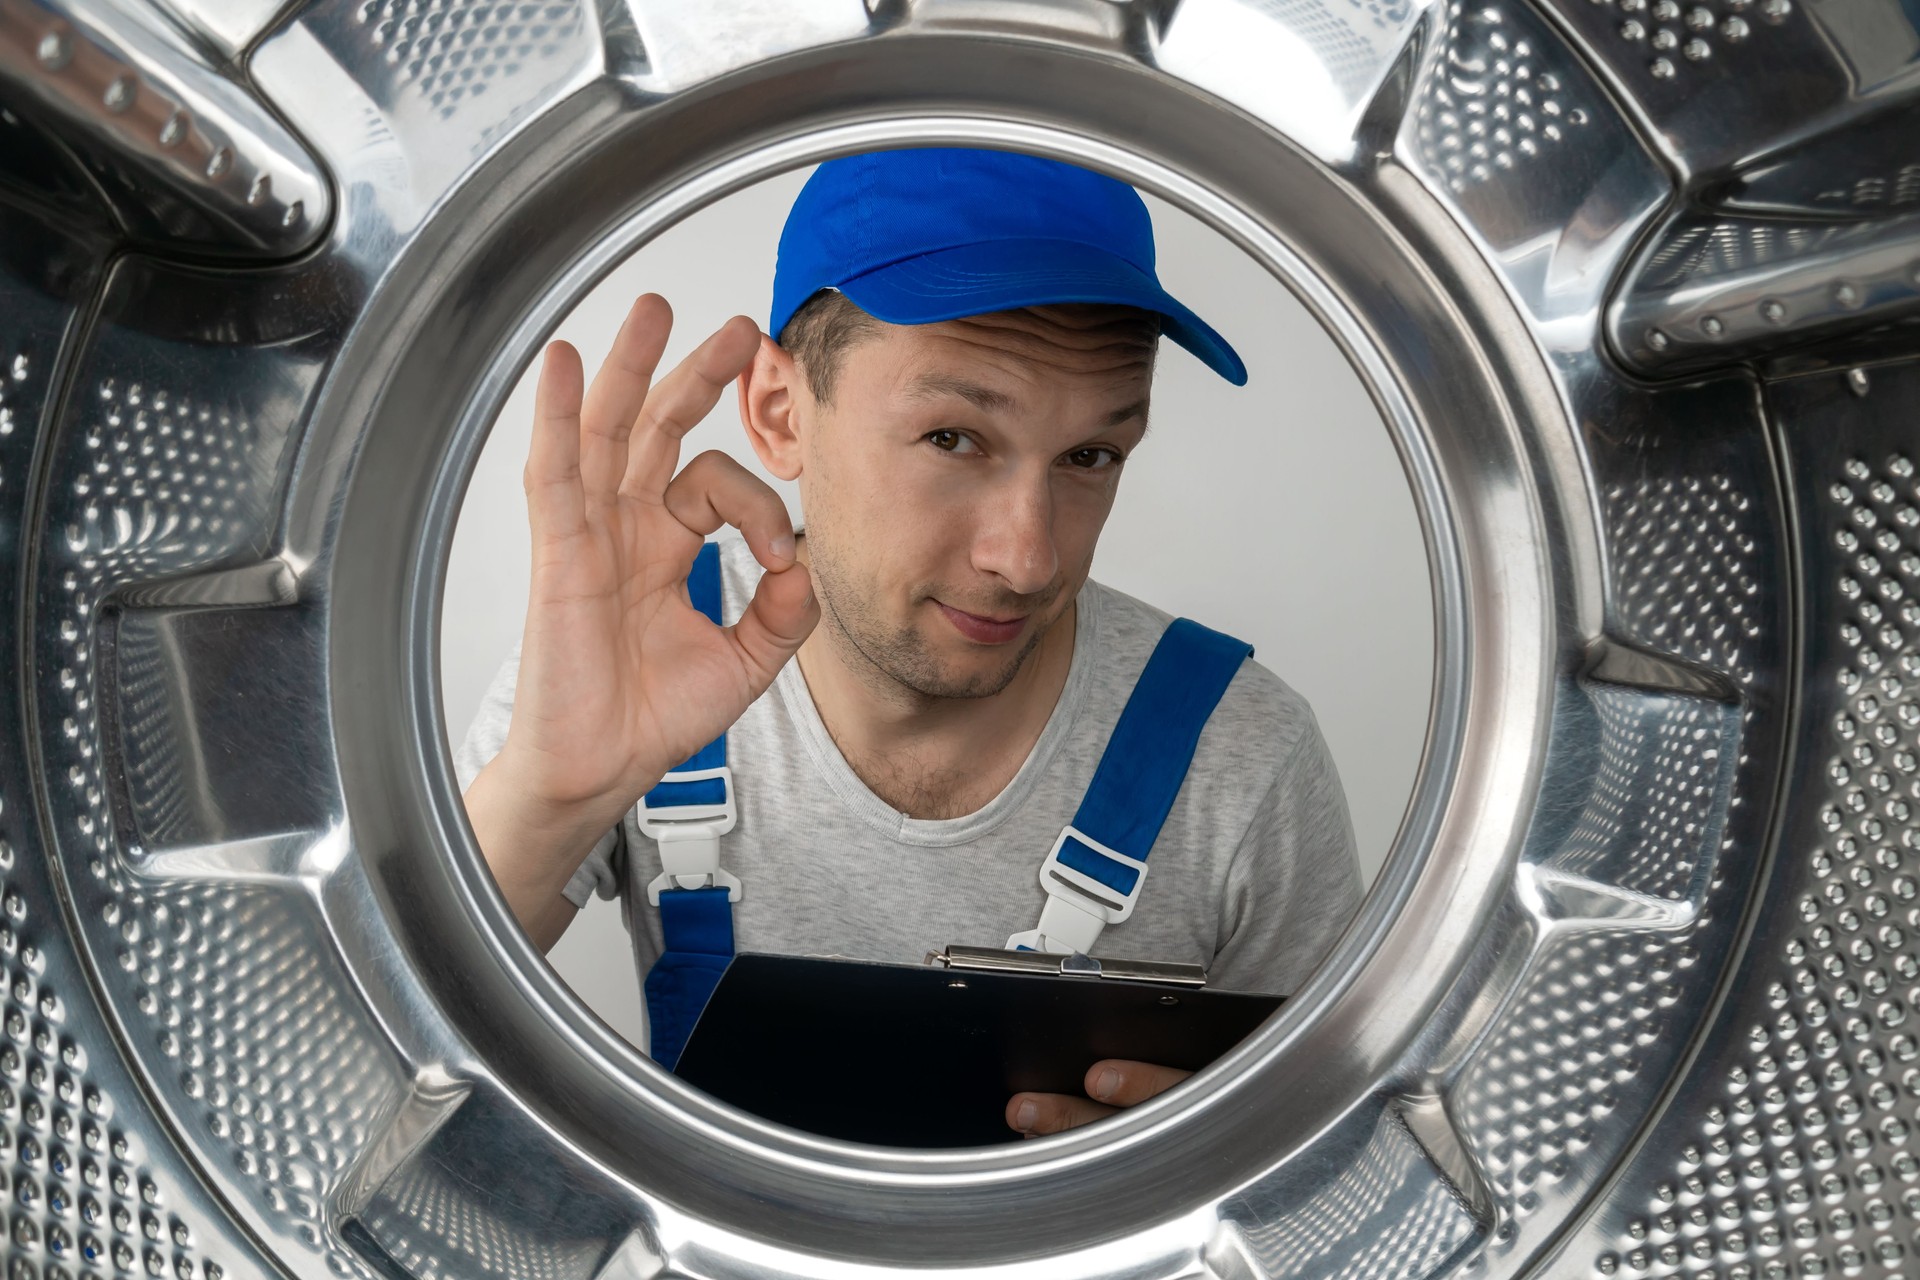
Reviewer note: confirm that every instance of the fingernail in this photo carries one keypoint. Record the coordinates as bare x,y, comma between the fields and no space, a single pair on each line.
1025,1115
1107,1083
782,546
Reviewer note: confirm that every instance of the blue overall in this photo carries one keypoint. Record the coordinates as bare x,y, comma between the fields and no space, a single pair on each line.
1097,867
696,925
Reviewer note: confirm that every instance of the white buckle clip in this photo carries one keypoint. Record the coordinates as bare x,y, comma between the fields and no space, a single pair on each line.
1078,906
689,837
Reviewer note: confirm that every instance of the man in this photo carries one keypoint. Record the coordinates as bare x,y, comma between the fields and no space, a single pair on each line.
965,352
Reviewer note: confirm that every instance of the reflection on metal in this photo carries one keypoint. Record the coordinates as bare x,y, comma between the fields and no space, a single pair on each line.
1722,83
1875,171
1375,1203
1713,292
1311,78
1634,997
95,1181
230,26
182,155
1076,965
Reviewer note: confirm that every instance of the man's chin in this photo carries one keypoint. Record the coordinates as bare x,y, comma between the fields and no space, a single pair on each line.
982,686
971,675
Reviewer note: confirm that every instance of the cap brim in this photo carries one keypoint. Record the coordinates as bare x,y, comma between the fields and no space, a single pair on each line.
1004,275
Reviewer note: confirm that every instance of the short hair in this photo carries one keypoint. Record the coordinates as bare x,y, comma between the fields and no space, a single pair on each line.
829,323
820,333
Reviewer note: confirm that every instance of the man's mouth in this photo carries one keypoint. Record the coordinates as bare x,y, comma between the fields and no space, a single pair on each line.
984,630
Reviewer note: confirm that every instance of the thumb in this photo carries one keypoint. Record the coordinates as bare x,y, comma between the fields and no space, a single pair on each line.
781,615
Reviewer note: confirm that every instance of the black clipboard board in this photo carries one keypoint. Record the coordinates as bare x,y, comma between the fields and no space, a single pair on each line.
919,1056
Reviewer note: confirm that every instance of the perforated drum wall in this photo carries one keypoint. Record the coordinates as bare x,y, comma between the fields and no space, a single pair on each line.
1634,286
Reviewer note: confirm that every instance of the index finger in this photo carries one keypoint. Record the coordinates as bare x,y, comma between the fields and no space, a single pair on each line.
679,401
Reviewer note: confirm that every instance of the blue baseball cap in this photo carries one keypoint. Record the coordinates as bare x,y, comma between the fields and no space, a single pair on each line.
936,233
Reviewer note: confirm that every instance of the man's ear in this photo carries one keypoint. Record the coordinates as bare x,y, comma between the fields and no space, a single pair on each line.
772,391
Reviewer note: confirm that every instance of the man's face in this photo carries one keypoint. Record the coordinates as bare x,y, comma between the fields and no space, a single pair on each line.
956,485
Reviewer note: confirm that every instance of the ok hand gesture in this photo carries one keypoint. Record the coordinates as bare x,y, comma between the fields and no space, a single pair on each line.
620,677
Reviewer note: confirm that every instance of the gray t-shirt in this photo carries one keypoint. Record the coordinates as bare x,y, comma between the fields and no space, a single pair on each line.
1254,874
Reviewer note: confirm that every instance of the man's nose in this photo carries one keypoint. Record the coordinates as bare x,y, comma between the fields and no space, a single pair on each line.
1015,541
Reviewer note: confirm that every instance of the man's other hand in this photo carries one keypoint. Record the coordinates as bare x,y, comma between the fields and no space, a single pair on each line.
1111,1084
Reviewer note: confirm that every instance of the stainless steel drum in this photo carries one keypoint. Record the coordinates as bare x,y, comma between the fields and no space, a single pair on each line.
1632,281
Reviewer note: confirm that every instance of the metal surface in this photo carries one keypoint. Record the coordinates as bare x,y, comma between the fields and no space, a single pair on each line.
178,153
1733,288
1076,965
1635,993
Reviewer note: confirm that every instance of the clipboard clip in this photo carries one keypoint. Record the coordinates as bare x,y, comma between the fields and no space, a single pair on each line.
1073,966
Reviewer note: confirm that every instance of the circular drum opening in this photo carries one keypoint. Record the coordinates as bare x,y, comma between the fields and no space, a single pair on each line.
1276,512
1403,295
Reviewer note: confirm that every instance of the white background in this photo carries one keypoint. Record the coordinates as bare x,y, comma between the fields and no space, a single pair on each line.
1277,512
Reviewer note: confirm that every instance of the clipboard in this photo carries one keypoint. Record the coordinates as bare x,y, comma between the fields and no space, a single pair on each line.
928,1055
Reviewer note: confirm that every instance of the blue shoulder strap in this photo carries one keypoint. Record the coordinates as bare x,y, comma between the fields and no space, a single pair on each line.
698,929
696,924
1094,872
703,585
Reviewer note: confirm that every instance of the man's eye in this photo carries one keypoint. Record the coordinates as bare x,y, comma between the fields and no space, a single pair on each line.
1094,459
951,442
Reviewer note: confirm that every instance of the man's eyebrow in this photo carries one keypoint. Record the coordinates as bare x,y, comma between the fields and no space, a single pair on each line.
932,386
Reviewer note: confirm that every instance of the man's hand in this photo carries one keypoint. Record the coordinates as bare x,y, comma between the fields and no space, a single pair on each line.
1111,1084
620,677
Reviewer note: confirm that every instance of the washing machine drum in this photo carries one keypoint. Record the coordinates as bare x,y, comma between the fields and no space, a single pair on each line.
1633,284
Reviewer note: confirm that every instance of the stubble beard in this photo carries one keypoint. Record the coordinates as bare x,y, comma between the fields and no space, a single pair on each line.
900,654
